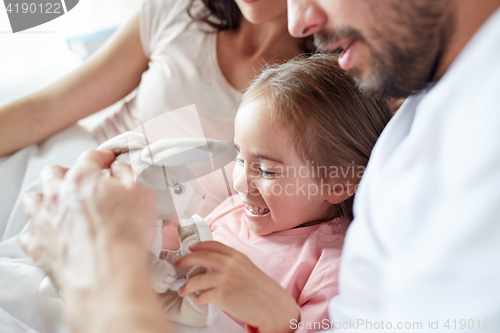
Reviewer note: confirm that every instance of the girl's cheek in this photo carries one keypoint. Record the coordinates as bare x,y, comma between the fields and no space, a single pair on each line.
259,187
273,190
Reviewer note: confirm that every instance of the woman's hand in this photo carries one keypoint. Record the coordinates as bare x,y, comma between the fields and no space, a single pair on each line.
239,288
91,234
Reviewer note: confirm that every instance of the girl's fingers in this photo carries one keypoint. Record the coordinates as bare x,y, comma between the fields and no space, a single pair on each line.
213,246
198,283
206,259
207,296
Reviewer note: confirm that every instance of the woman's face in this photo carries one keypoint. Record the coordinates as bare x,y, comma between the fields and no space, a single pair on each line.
275,185
262,11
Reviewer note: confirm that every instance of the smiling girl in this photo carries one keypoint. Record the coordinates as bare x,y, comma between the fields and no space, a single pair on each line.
276,268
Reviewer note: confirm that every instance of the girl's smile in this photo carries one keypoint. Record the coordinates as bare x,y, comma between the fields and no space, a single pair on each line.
256,213
264,177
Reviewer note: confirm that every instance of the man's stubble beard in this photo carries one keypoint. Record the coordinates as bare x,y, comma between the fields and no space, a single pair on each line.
407,63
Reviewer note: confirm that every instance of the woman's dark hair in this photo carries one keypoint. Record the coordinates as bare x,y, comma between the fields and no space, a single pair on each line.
226,15
221,14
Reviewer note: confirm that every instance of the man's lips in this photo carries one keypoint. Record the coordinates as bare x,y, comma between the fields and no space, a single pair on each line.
346,57
341,44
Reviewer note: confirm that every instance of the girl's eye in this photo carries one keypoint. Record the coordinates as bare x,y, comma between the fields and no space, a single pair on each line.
263,173
267,174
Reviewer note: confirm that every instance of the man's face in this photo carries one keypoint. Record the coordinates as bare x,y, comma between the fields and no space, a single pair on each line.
392,47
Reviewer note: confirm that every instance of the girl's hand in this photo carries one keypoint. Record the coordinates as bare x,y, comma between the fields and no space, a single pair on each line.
239,288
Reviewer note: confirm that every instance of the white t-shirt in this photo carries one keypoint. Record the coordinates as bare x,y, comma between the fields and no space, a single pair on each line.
183,70
424,247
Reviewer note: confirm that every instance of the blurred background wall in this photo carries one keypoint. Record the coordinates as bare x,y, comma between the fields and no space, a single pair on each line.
32,59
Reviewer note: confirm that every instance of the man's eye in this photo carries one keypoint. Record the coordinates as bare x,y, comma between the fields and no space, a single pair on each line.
267,174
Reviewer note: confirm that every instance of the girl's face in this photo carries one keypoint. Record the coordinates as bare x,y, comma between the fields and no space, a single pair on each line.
275,185
262,11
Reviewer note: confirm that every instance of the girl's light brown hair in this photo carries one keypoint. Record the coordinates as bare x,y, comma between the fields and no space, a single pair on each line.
332,124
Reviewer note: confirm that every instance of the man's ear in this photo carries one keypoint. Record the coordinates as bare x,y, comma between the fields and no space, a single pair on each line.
336,193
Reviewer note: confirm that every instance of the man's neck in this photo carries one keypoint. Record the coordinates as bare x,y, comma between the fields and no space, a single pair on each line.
469,17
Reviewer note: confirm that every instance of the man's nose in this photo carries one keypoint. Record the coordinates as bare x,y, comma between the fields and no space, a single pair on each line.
305,17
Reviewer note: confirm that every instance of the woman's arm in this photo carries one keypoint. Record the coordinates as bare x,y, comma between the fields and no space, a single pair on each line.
92,234
110,75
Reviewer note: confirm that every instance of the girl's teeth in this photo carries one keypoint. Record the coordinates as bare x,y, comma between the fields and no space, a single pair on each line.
257,210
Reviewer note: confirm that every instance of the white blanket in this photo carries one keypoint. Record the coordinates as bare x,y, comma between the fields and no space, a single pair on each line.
22,308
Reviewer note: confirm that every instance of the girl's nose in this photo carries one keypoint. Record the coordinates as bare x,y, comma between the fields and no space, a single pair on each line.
242,181
305,18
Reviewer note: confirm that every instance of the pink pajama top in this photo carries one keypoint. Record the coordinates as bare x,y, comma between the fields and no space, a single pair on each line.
304,261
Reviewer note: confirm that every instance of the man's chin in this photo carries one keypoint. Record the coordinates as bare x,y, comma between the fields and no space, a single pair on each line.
367,85
380,87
